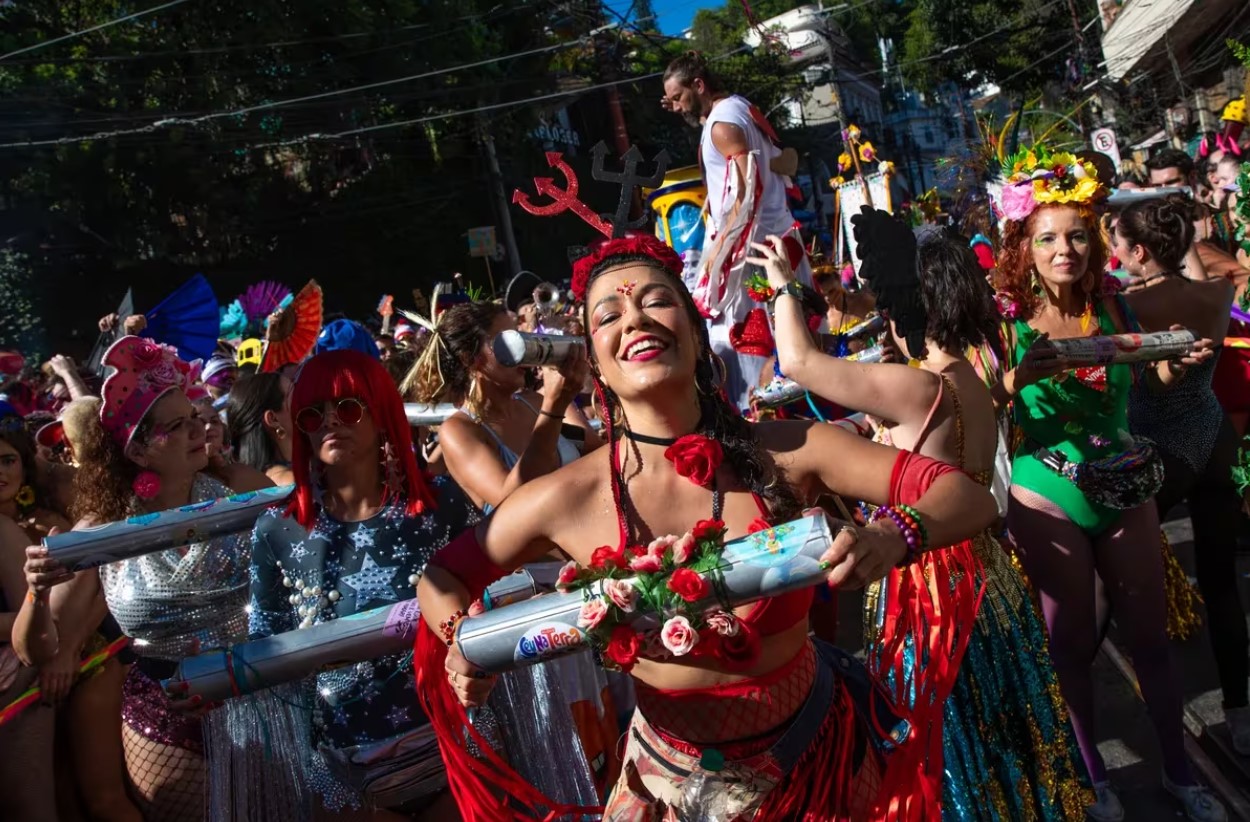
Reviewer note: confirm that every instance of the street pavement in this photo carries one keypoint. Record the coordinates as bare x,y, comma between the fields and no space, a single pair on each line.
1126,737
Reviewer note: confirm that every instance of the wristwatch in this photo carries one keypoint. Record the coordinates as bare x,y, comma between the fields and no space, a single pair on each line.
791,288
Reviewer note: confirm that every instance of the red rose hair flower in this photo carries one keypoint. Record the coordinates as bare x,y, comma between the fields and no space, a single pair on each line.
696,458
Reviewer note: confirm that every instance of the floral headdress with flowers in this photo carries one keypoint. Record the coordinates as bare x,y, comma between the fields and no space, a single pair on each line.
1036,176
144,371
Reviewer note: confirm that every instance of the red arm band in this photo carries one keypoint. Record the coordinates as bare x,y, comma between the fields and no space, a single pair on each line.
913,475
465,560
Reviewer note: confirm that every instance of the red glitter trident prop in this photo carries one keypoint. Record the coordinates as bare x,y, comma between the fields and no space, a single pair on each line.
562,199
565,199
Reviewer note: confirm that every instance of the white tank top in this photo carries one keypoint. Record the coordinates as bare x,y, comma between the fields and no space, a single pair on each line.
773,214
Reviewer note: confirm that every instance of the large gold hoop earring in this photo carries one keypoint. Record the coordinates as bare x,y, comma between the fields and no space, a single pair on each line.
475,400
719,374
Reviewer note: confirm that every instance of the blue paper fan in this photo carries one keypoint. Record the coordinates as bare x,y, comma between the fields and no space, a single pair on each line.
187,319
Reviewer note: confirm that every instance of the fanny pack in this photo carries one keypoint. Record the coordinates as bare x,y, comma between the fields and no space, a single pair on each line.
392,772
1121,481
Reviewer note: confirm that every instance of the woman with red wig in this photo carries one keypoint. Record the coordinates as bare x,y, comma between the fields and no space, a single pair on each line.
357,534
1069,537
751,684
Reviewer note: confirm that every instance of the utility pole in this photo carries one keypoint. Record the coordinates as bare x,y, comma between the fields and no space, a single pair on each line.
501,198
1080,60
620,132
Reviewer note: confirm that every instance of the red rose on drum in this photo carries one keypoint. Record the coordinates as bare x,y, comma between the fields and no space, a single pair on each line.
706,529
624,646
605,556
688,585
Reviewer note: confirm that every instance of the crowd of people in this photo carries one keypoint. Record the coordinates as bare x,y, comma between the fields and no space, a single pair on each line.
999,503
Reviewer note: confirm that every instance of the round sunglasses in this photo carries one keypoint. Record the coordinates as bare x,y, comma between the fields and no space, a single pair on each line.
348,410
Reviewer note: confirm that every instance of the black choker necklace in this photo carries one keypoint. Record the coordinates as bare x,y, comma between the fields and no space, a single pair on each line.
636,437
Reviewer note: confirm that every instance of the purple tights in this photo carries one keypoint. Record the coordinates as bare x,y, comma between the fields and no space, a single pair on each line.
1083,579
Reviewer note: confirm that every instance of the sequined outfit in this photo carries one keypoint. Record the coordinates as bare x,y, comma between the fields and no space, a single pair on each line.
174,603
1007,743
338,569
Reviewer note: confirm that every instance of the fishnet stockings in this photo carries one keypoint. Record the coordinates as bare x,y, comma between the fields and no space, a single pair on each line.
27,788
169,782
731,713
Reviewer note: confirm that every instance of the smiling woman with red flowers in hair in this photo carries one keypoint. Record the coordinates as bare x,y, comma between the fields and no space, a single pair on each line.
782,710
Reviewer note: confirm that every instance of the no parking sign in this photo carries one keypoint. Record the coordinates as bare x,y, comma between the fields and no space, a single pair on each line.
1104,142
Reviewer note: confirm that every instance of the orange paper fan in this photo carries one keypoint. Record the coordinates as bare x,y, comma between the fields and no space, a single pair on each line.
293,330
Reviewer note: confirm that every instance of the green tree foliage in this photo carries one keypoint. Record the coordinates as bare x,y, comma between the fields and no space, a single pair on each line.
146,182
765,75
244,192
1018,45
20,326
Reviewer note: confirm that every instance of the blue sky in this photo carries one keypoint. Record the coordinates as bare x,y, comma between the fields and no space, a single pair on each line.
675,15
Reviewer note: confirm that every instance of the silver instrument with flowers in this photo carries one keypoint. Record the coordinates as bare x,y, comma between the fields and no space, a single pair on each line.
665,599
1124,348
263,663
145,534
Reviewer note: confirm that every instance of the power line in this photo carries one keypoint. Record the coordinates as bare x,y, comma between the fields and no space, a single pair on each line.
330,38
480,109
109,24
180,121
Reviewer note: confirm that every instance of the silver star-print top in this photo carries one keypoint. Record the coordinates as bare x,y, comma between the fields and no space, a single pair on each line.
337,569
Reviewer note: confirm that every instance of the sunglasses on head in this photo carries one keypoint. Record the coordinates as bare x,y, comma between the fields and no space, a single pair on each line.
348,410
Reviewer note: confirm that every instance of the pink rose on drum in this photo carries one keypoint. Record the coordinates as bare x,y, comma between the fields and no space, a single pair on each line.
683,549
661,544
678,636
622,594
567,576
646,564
592,613
724,623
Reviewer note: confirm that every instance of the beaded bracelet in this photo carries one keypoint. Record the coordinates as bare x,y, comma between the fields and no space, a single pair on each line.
910,529
448,626
919,523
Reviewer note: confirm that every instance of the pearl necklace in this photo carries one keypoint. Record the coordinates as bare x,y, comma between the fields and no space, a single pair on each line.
308,600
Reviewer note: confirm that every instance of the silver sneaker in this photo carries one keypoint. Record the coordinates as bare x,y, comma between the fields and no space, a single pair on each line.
1108,807
1199,803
